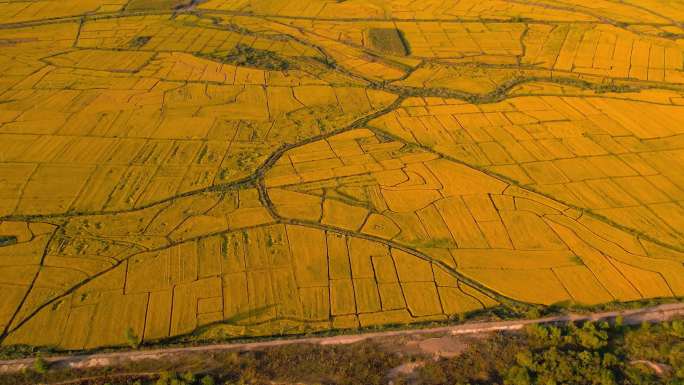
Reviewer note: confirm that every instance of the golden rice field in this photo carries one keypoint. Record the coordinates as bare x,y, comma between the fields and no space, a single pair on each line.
248,168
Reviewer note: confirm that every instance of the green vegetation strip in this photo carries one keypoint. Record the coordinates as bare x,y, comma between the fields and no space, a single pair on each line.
573,354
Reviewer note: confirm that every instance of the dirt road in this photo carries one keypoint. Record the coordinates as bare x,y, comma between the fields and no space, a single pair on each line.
630,317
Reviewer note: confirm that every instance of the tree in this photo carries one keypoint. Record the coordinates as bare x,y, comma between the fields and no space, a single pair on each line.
189,377
208,380
518,376
677,328
165,378
589,337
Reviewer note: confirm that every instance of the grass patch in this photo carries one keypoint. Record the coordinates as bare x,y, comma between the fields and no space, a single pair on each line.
246,56
139,41
670,35
6,240
389,40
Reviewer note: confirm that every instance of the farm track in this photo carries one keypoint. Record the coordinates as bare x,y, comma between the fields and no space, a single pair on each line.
658,313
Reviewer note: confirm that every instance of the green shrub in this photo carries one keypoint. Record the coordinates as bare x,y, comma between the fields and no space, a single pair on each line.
131,338
40,366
